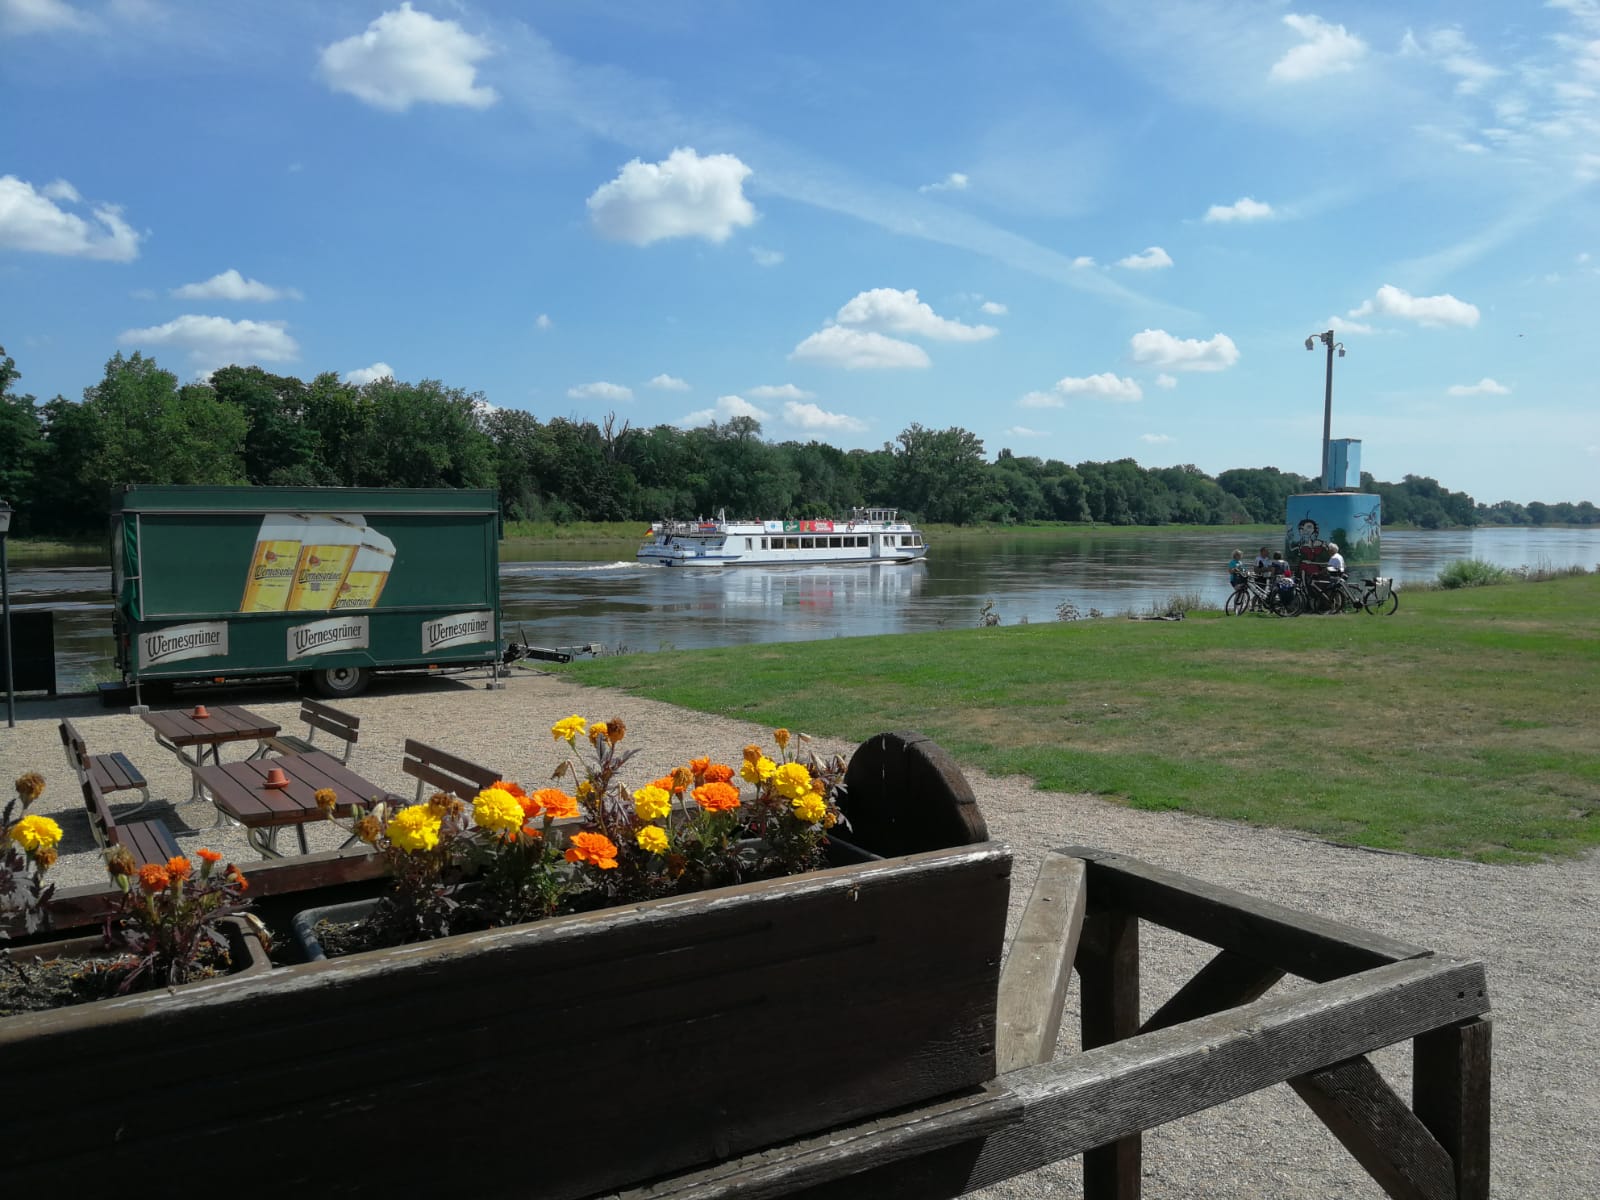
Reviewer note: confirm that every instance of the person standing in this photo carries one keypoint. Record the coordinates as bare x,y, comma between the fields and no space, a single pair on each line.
1236,568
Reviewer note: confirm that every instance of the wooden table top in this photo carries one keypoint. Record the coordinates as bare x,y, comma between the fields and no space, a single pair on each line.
225,723
239,789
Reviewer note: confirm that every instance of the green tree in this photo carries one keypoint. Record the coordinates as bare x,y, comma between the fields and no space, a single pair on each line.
423,435
21,444
152,431
941,473
280,447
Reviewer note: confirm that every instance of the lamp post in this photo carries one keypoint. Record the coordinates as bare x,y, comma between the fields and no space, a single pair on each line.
5,613
1327,399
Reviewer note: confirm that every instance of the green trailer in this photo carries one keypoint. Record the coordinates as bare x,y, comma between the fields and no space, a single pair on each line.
326,584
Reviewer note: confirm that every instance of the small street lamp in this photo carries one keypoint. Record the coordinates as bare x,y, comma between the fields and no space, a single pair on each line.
1327,402
5,613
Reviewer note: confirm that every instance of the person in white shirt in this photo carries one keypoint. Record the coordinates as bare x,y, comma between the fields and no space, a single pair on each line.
1335,559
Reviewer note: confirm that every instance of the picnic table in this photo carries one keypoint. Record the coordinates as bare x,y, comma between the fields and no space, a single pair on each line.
240,791
182,731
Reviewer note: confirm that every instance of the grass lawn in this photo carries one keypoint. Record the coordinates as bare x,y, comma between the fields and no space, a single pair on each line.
1464,725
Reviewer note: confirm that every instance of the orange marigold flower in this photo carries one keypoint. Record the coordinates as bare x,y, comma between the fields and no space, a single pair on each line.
179,867
210,856
153,879
327,799
752,752
368,829
718,773
781,736
596,732
237,877
682,777
505,785
593,848
555,803
717,797
531,832
698,766
45,857
615,729
30,787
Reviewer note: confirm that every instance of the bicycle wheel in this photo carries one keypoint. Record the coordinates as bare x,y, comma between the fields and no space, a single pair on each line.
1237,603
1377,607
1294,602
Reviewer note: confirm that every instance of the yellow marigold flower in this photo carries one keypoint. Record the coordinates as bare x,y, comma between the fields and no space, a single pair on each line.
830,819
414,828
781,736
45,857
682,777
35,833
497,810
30,787
757,770
717,797
615,729
652,839
652,803
567,728
593,848
555,803
791,781
585,789
809,808
596,732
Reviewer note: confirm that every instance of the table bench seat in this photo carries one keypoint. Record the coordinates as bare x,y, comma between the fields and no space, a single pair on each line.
149,840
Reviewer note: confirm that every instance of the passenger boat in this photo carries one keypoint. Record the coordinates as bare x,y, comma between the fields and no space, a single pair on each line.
868,535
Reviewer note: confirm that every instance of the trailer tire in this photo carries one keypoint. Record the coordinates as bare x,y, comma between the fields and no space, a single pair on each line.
336,683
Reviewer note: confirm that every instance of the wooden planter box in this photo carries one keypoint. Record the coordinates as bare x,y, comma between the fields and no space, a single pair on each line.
557,1059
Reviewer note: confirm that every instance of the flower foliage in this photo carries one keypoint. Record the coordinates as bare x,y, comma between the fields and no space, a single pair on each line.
27,852
165,921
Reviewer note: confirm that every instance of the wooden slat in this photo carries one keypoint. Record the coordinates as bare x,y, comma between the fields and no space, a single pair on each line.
1108,965
446,771
1313,947
1381,1133
1227,981
1450,1094
1073,1104
1033,985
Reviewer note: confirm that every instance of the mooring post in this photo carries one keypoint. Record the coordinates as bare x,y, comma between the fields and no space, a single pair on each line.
1108,968
1450,1095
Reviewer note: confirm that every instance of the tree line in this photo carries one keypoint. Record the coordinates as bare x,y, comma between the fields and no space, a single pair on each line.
59,461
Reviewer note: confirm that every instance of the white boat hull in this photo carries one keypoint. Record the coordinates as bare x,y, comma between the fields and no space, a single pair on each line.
723,543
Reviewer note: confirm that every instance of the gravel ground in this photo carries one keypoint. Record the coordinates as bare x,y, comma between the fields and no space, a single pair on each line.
1534,927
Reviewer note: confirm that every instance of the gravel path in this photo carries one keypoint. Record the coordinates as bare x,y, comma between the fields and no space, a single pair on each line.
1534,927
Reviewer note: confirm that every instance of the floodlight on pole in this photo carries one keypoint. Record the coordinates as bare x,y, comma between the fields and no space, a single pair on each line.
1327,400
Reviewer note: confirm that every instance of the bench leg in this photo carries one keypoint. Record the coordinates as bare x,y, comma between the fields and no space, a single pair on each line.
1108,968
1450,1095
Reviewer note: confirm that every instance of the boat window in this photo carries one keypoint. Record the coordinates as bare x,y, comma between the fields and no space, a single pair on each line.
833,543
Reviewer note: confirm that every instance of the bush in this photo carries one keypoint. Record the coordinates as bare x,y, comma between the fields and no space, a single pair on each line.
1472,572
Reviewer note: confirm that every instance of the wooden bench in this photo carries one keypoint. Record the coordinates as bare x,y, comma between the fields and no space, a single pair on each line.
112,772
149,840
445,772
317,715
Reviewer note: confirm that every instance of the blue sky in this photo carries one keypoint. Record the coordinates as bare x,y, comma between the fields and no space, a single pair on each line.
1092,229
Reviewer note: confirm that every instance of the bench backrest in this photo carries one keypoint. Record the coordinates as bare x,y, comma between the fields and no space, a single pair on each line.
101,822
76,748
445,771
343,725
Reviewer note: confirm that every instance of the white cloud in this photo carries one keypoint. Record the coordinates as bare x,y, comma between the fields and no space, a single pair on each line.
1242,209
765,257
1344,325
213,342
1083,262
1112,387
1164,380
407,57
682,196
1425,310
362,376
1041,400
1151,259
1484,387
1449,49
779,391
1324,50
725,409
1159,348
854,350
1156,439
889,310
600,390
41,16
32,220
994,308
669,383
542,321
953,182
1024,431
230,285
809,416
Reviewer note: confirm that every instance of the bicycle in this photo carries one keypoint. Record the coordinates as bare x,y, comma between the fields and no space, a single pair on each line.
1260,593
1331,593
1379,596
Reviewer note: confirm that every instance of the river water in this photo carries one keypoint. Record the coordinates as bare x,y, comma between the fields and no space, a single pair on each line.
625,608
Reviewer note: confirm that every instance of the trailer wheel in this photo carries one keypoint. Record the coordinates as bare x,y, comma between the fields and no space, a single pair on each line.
337,682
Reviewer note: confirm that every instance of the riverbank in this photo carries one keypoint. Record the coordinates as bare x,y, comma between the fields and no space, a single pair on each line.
1537,928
